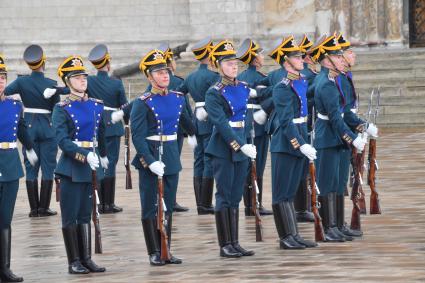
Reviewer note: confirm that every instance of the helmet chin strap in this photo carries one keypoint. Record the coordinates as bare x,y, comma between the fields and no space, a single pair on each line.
335,69
287,59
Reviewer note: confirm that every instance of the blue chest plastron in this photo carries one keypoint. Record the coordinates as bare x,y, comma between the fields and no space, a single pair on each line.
342,94
86,117
237,98
167,108
300,88
10,111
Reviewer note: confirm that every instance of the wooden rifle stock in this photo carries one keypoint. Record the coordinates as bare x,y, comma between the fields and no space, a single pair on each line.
375,207
319,233
165,254
128,183
254,203
355,193
95,216
362,199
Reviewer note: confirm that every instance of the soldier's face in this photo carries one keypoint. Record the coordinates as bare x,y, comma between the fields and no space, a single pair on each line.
338,61
350,56
79,83
160,78
230,68
297,62
3,81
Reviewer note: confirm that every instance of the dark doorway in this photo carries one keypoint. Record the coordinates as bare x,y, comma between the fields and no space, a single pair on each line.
417,23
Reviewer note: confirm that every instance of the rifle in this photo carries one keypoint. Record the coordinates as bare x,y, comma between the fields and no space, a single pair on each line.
95,199
373,165
319,233
58,188
255,205
161,221
128,183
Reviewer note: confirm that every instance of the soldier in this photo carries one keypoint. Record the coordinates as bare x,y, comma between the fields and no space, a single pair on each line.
226,105
156,115
12,127
80,128
37,114
197,84
251,54
331,132
346,86
111,92
289,144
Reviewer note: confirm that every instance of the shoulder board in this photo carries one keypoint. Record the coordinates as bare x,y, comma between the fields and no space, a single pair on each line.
96,100
178,93
261,73
146,95
178,77
285,81
64,103
14,97
331,79
218,86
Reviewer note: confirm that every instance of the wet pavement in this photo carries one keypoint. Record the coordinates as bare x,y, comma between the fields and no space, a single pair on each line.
391,250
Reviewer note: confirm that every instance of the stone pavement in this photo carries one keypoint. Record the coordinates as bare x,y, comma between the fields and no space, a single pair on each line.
392,249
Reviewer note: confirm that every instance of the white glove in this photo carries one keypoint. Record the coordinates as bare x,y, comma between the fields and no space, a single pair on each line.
308,151
260,117
49,92
191,140
249,150
104,162
157,168
93,160
372,130
117,116
31,156
252,93
359,143
201,114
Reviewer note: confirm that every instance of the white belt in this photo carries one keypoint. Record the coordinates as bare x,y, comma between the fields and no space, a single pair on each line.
7,145
326,117
299,120
253,106
200,104
354,110
85,144
37,110
237,124
164,138
110,108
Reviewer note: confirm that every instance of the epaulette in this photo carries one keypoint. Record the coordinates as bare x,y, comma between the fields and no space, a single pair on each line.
178,77
178,93
64,102
242,82
285,81
261,73
14,97
218,86
96,100
146,95
331,79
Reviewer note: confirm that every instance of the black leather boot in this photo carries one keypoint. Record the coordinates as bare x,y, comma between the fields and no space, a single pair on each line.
150,232
223,234
107,194
302,203
168,227
290,210
45,197
71,245
205,205
179,208
340,219
6,275
263,211
197,184
115,209
234,232
327,212
247,197
281,221
84,245
32,191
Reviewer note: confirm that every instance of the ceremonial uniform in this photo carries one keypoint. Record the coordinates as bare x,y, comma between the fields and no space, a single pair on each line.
111,92
226,104
37,115
12,127
247,52
156,115
196,84
288,141
80,127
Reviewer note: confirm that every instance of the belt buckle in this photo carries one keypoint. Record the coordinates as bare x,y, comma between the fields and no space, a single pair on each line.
85,144
4,145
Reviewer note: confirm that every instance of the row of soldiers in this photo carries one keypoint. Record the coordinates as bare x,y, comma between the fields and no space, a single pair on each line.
236,118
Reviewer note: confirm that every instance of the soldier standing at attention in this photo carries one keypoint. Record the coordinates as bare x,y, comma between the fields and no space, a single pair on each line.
332,134
38,105
289,144
111,92
226,105
80,128
12,127
251,54
155,118
197,84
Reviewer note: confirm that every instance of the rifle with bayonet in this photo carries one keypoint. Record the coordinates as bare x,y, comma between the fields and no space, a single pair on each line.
95,200
255,205
373,164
